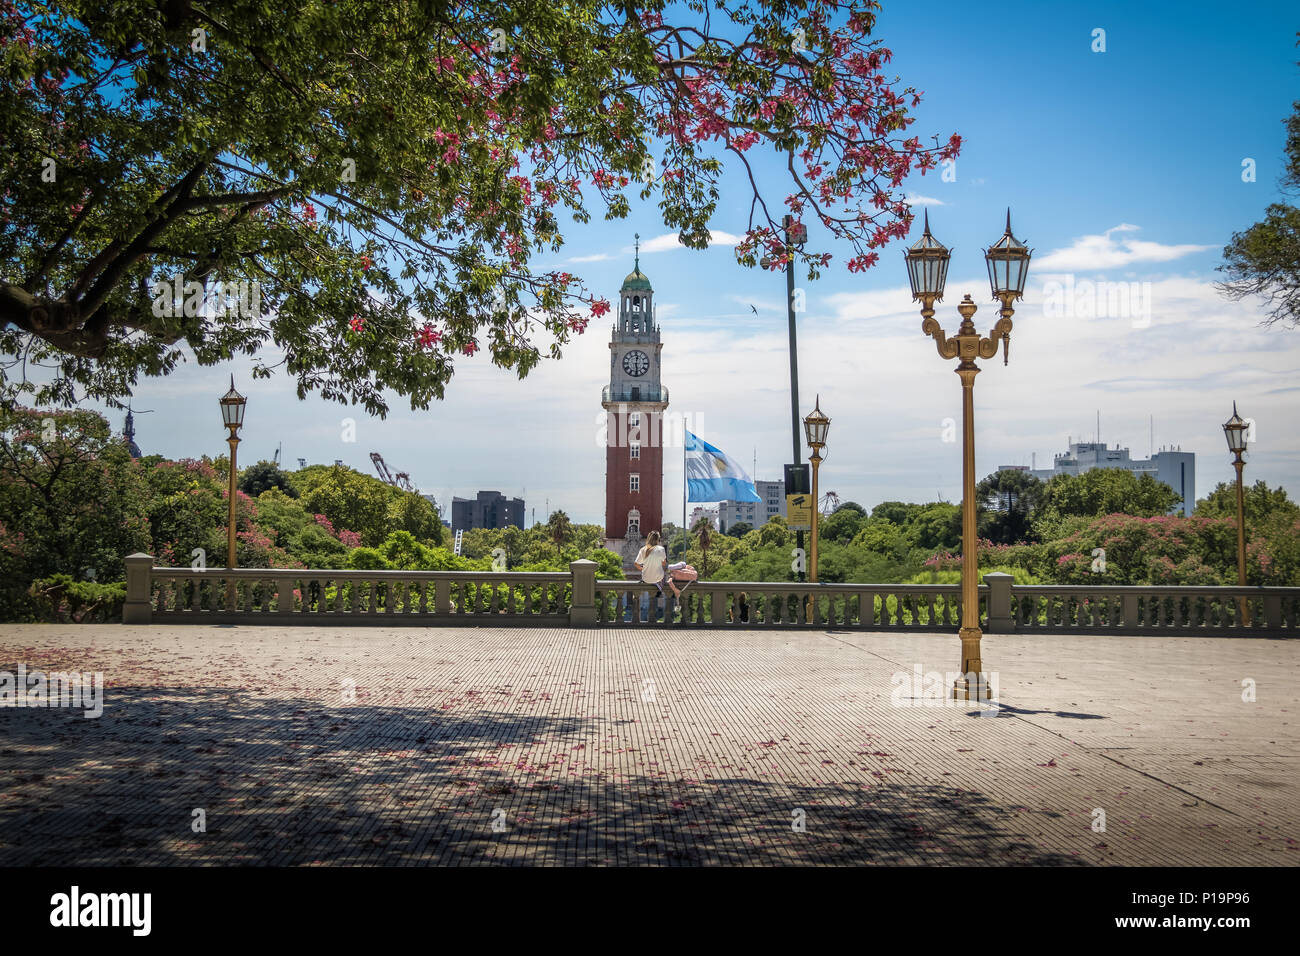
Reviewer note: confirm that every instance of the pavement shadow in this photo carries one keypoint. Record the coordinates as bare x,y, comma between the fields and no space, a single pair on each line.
296,781
1007,710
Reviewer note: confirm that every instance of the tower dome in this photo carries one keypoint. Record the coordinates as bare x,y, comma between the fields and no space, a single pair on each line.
636,280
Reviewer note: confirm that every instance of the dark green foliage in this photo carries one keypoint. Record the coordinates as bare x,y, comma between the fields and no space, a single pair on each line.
59,599
264,476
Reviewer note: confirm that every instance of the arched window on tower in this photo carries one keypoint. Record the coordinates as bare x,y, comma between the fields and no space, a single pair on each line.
634,523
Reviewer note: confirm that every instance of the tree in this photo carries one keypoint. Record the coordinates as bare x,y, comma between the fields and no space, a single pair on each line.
1006,500
264,476
703,529
353,501
936,526
380,175
559,528
740,529
1097,492
71,501
1265,259
843,523
1258,501
899,512
415,514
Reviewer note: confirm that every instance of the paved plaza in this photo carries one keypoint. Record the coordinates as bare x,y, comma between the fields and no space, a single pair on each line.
621,746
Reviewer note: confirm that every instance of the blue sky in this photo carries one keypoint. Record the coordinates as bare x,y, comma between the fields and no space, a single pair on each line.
1122,166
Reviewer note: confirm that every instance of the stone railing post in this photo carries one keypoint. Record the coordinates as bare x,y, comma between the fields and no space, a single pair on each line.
582,609
1000,620
1273,611
1129,613
138,608
284,595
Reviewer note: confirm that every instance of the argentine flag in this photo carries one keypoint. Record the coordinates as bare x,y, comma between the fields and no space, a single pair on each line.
712,475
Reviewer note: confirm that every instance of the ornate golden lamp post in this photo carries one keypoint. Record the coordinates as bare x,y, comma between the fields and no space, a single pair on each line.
1235,431
927,270
232,416
815,427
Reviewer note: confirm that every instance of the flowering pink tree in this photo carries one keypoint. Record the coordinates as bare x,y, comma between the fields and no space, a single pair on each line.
387,173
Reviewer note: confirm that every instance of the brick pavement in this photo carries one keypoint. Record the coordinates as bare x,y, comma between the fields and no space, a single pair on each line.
620,746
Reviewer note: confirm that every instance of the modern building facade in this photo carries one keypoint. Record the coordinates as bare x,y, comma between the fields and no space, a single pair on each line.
488,509
1173,466
634,401
754,513
707,513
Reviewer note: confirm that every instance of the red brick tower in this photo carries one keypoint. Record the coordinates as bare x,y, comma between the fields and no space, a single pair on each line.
634,402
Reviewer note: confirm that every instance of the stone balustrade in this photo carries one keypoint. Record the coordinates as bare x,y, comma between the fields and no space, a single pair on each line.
576,597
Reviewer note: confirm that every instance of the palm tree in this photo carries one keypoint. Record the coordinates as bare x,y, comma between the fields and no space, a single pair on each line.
704,529
559,527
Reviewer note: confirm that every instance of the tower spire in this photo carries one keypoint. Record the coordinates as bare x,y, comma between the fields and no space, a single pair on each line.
636,236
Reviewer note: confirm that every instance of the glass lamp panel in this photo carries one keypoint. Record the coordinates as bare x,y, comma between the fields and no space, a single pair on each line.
1236,437
914,274
995,277
1018,272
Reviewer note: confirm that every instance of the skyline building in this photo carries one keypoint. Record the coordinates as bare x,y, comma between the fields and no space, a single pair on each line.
1172,465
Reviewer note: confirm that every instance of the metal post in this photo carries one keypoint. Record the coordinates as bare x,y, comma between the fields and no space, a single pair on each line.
1241,540
816,460
230,531
970,608
794,365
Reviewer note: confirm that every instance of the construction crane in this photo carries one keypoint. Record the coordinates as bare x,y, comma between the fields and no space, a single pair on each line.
830,501
398,480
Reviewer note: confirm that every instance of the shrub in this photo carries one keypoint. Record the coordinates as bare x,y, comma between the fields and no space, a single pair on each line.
60,599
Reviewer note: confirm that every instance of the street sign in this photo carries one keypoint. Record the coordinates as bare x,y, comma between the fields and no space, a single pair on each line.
798,512
796,480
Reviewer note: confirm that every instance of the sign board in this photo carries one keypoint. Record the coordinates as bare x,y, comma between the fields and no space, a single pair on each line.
796,480
798,512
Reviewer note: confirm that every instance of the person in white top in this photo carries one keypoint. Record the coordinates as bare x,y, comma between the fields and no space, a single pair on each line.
651,561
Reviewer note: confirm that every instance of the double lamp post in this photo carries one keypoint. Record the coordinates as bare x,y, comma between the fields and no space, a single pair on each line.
927,271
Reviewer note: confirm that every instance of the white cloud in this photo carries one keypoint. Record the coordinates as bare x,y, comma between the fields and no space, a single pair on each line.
671,240
914,200
1105,251
598,257
886,390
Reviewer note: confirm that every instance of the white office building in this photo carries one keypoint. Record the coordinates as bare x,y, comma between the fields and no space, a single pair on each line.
700,511
754,513
1173,466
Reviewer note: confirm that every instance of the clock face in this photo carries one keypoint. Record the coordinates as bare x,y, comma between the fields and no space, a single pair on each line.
636,363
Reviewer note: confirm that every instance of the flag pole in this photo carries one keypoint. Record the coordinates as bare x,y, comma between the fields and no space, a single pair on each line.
685,532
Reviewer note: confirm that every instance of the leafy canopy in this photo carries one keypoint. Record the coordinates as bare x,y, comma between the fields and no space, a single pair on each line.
381,175
1264,260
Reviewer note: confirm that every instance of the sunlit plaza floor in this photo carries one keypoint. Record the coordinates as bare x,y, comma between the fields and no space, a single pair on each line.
628,746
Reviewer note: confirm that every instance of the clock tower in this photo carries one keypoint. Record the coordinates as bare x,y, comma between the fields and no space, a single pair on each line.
634,403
